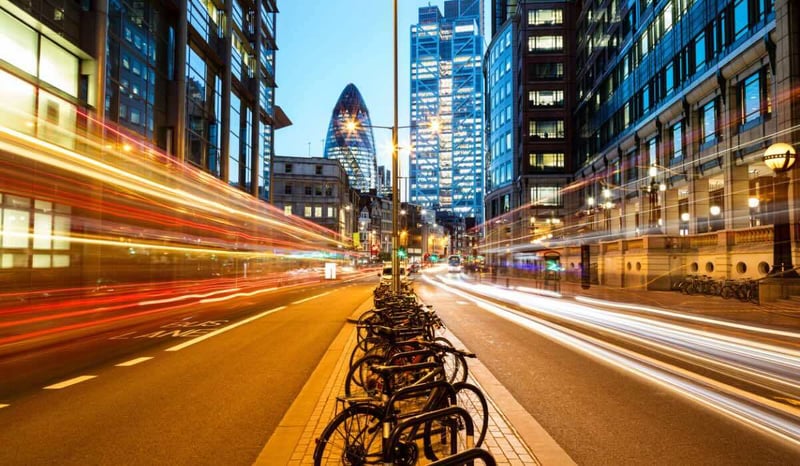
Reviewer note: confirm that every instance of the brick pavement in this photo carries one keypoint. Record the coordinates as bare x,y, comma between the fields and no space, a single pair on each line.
293,441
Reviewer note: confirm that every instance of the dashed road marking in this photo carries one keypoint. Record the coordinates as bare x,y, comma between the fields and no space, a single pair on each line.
134,362
309,299
223,330
67,383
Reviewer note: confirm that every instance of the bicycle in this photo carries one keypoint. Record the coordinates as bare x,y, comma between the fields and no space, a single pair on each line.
361,433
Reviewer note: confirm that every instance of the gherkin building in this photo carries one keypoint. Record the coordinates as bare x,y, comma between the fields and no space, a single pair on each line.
353,144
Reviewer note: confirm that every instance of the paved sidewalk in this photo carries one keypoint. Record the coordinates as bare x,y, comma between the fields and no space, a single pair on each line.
512,435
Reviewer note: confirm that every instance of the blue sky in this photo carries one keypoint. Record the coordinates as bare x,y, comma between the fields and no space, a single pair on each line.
323,46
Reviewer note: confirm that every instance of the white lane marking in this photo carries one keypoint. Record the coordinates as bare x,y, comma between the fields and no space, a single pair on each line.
67,383
4,406
309,299
134,362
223,330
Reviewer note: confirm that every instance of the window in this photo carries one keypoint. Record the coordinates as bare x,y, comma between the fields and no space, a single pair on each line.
546,98
545,160
287,168
331,212
318,212
545,43
700,51
546,196
287,189
677,141
318,169
287,210
547,71
329,191
751,94
740,18
307,211
318,190
309,190
546,129
652,153
708,120
545,16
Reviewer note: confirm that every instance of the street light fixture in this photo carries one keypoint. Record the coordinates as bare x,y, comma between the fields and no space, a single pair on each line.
780,158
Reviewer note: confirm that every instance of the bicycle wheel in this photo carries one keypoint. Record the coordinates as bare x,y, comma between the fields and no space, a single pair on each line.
363,348
472,399
728,292
437,435
361,379
352,437
455,367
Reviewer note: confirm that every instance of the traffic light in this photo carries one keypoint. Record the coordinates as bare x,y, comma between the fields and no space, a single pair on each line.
401,252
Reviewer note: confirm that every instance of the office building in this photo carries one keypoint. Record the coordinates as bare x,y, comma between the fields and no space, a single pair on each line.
350,139
446,166
530,70
194,79
676,104
318,190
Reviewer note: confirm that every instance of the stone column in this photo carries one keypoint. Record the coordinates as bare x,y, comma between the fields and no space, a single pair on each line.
698,205
672,216
737,191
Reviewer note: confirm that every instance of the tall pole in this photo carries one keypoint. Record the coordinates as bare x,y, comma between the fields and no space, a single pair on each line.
395,165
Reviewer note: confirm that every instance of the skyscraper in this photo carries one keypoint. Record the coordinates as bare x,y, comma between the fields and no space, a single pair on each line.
530,95
350,139
447,86
195,79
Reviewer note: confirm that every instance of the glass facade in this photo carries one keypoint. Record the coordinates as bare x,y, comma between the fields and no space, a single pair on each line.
500,108
447,168
350,139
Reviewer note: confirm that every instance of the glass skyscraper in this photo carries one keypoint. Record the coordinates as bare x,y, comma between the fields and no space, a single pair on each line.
447,168
350,139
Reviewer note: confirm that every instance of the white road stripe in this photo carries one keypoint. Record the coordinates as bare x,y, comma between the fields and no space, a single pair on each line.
309,299
134,362
223,330
69,382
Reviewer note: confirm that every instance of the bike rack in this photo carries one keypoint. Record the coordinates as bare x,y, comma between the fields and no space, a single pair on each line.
466,457
414,421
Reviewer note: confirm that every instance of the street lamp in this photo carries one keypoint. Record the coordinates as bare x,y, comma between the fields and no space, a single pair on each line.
780,158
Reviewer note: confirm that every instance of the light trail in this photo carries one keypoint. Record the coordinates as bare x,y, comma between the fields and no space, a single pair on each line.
769,366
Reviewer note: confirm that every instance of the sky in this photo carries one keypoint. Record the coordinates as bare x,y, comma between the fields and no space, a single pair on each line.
323,45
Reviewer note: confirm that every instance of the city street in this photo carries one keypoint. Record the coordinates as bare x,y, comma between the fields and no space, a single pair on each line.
171,397
606,401
155,395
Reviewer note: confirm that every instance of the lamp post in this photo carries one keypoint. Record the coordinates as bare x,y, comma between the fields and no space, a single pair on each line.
780,158
653,188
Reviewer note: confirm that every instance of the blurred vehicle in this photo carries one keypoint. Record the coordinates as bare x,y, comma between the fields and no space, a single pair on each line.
454,264
414,268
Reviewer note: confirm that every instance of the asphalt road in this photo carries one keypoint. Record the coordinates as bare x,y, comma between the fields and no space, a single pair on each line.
599,414
215,401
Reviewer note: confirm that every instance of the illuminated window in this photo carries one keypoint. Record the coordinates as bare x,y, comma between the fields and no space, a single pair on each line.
307,211
546,98
677,140
287,210
318,212
545,195
546,129
545,160
545,43
544,16
20,43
